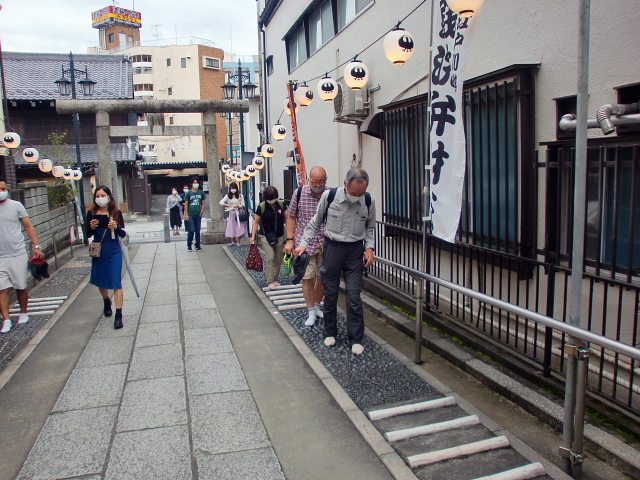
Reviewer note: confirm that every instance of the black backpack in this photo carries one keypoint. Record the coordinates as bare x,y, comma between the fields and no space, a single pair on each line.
332,195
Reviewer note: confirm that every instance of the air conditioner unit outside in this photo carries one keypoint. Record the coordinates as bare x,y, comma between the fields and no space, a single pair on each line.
350,106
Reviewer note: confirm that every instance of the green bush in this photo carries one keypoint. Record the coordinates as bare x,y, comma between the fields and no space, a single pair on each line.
60,195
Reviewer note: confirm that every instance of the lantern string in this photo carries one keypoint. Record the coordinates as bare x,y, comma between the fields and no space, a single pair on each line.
370,45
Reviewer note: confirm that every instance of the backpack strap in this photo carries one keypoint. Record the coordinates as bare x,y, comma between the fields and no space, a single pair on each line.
298,196
330,197
367,200
262,206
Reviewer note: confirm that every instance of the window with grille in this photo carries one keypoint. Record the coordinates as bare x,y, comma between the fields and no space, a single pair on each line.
209,62
143,87
183,62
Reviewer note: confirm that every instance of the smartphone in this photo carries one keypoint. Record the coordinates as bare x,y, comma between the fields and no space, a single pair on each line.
103,220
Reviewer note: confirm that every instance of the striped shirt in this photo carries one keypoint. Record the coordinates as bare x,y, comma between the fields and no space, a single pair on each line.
304,213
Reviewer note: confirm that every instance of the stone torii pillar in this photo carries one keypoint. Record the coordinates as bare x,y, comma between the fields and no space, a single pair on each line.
104,130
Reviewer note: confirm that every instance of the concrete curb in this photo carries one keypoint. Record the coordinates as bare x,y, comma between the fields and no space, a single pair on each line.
396,466
14,365
606,446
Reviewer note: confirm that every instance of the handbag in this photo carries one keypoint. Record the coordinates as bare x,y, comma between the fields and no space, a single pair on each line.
243,216
254,259
95,248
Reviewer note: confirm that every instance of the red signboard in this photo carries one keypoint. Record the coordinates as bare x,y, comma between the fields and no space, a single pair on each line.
113,15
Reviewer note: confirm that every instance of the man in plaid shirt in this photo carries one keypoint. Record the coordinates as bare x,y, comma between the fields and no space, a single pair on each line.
298,217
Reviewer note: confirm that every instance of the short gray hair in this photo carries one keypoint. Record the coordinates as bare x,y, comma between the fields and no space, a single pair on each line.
357,174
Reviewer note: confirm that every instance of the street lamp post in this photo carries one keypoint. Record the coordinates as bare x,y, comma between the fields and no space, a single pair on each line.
68,87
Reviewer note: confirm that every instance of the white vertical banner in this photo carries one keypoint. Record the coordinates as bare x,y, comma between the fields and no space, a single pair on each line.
447,146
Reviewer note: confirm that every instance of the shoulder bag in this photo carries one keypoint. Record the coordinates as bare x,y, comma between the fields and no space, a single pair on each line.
95,248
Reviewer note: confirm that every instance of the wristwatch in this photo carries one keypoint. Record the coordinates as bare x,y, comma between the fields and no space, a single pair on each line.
287,239
36,247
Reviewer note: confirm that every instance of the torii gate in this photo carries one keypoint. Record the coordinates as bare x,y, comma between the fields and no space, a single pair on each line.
104,130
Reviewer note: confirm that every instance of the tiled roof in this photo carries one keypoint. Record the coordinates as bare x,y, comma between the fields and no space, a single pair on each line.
31,76
88,153
180,162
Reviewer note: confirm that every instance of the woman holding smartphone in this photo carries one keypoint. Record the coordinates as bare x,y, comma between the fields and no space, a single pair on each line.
105,224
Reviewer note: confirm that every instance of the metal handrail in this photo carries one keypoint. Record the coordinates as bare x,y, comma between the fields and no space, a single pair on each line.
574,332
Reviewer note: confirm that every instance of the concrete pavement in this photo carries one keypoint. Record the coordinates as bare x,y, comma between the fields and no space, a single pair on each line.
200,383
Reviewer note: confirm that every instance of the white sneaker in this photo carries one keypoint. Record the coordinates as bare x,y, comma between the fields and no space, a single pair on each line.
330,341
6,326
311,320
23,318
319,312
357,349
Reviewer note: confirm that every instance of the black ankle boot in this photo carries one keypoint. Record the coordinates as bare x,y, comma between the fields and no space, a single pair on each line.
107,307
117,321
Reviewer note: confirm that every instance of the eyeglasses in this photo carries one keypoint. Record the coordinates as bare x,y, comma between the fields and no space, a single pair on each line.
318,183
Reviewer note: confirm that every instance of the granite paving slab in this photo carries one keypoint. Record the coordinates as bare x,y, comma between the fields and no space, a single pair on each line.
167,285
71,444
257,464
159,313
92,387
214,374
189,269
226,422
189,278
159,453
161,333
202,318
194,289
197,302
106,351
105,327
157,402
161,298
203,341
156,361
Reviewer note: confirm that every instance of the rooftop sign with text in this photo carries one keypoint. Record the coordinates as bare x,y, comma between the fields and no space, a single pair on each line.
112,15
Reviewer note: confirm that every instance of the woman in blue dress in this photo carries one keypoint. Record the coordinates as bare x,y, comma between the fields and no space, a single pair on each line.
106,225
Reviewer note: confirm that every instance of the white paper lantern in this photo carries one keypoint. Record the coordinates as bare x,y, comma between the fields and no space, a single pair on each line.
11,140
267,150
287,110
57,171
327,89
245,175
252,170
45,165
356,75
225,168
279,132
77,174
68,174
258,162
229,177
30,155
398,46
465,8
303,95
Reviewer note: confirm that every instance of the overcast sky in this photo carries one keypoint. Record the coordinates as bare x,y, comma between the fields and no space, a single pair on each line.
61,26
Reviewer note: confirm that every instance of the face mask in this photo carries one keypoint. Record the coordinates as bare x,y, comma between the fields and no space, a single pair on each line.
185,190
317,189
353,198
271,202
102,201
233,190
3,196
174,192
196,186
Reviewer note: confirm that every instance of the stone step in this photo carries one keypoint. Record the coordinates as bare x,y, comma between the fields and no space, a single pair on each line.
405,433
526,472
493,443
411,408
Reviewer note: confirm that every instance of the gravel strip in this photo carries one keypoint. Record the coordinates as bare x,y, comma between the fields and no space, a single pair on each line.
372,379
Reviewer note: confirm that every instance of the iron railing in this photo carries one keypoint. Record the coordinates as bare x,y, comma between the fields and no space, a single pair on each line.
610,307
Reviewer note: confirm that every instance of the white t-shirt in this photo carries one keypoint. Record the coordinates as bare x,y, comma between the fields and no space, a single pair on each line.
11,238
232,201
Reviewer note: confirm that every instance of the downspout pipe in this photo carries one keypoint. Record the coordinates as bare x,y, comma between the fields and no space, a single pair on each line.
630,117
604,115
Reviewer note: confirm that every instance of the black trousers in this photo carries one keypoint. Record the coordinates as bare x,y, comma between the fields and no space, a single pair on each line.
338,258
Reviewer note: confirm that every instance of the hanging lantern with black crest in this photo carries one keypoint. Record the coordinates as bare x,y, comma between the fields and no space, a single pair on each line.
11,140
77,174
356,75
398,46
465,8
303,95
267,150
225,167
287,109
68,174
279,132
245,175
258,162
327,89
30,155
252,170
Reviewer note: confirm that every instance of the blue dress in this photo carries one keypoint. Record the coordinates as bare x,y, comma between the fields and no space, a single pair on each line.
106,270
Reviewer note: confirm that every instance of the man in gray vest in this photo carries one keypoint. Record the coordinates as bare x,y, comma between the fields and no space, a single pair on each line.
349,233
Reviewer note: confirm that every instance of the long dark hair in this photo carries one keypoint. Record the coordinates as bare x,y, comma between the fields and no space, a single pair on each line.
233,195
114,211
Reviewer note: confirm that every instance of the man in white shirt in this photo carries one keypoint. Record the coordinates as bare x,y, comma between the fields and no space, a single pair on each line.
14,263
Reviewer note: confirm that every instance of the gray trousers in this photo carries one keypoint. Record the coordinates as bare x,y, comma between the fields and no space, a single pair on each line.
274,257
341,257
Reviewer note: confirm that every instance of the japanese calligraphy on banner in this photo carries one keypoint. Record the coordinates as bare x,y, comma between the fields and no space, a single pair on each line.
447,150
